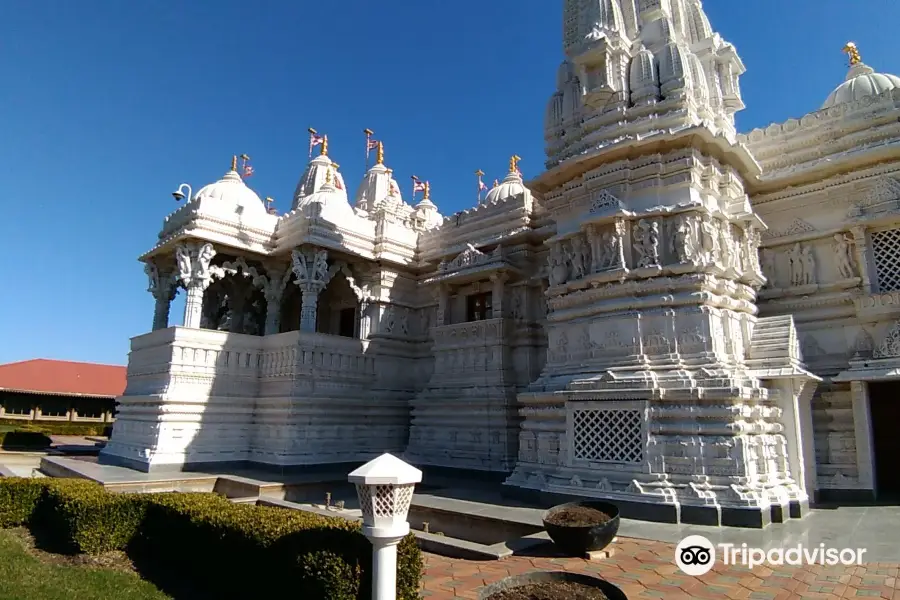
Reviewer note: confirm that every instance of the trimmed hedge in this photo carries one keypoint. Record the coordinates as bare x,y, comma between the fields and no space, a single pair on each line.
202,538
58,427
24,440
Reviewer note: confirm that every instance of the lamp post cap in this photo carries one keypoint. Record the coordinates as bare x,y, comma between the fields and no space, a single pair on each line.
387,469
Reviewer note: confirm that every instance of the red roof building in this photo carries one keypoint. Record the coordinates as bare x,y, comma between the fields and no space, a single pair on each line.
59,390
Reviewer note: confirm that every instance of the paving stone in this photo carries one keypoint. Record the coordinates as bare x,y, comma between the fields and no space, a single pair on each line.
645,569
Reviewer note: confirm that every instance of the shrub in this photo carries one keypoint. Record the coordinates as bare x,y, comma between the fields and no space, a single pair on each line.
24,440
201,537
57,427
18,498
77,515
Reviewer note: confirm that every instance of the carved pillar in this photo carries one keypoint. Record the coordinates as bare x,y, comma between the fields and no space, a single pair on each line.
273,284
194,274
163,286
499,281
862,425
313,274
861,249
309,308
443,295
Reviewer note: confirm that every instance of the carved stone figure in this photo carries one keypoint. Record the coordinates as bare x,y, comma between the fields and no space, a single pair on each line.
576,257
517,308
684,242
389,320
646,238
809,266
404,321
558,271
710,236
842,247
204,257
768,266
725,246
795,256
320,266
183,260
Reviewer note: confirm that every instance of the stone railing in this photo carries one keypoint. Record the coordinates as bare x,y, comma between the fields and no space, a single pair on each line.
314,354
474,333
200,351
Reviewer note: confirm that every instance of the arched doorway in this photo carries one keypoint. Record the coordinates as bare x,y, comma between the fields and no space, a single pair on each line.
338,309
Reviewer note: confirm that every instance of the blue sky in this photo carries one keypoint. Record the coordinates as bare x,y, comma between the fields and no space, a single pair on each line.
107,106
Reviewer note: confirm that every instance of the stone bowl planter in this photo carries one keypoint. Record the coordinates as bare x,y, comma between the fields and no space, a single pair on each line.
552,585
580,536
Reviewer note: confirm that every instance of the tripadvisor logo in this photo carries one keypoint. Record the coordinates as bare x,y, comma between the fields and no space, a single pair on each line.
695,555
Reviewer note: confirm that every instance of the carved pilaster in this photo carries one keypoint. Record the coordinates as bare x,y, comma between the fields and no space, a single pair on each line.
861,247
497,293
194,274
163,286
622,246
443,298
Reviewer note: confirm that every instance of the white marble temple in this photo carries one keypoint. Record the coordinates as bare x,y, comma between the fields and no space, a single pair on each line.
671,313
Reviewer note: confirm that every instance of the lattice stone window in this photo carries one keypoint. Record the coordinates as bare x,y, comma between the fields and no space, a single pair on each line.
608,432
886,254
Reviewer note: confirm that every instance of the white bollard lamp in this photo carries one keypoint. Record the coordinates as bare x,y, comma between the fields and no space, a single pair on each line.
385,490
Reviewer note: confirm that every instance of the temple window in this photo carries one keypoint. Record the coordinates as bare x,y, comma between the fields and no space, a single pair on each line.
478,307
886,254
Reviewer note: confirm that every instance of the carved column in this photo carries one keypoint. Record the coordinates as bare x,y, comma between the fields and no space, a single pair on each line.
861,249
194,274
499,281
163,286
443,297
313,274
273,284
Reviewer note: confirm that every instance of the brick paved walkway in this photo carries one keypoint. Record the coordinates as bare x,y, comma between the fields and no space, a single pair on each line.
645,569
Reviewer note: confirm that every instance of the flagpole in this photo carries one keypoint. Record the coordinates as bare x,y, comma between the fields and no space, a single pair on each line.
479,173
415,180
369,133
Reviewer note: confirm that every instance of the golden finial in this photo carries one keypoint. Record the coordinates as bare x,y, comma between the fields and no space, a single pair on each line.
514,163
379,157
328,176
325,145
427,194
851,50
234,162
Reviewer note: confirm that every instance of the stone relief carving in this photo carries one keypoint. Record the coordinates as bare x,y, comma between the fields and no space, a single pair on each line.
311,267
863,345
802,265
684,242
518,309
403,321
768,266
389,320
470,257
709,239
646,243
842,250
604,202
161,285
796,227
579,257
890,345
692,341
558,270
193,264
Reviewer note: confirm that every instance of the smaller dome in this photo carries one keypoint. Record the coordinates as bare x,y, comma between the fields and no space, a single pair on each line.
330,199
232,191
511,187
861,81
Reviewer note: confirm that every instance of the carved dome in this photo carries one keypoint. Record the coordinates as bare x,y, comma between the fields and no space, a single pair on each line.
862,81
232,191
330,201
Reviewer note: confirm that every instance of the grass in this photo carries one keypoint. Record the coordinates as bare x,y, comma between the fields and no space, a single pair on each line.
27,573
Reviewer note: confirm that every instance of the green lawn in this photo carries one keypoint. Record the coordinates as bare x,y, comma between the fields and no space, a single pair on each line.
26,577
